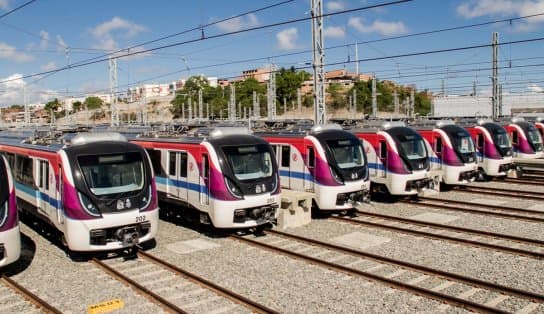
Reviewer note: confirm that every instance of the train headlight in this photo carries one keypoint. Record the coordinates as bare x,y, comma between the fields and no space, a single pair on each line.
88,205
336,176
233,189
4,209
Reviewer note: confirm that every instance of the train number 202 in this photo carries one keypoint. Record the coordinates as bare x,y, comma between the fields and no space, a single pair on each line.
140,218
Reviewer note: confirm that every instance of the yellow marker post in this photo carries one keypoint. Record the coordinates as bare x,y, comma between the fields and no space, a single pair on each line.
105,307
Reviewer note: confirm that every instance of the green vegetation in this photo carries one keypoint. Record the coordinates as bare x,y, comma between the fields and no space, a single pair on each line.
93,102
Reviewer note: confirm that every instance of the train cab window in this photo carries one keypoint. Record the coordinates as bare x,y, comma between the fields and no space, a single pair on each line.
480,141
11,159
438,145
155,156
515,137
383,150
285,156
311,157
172,164
183,164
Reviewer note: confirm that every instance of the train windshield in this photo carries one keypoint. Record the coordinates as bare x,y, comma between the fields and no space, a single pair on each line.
249,162
500,138
347,153
113,174
413,146
534,138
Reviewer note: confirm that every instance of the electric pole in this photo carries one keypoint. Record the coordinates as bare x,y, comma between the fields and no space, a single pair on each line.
494,79
113,92
271,93
318,62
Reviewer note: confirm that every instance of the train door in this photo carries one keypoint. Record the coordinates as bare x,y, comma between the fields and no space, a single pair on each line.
310,165
515,141
60,201
283,156
204,194
438,147
176,185
382,156
45,193
480,146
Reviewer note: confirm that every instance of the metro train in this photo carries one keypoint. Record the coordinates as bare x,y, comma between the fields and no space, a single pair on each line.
454,149
539,124
399,159
10,238
96,189
493,147
525,137
325,160
225,175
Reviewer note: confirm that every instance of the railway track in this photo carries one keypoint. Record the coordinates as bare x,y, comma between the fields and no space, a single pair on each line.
480,209
522,180
495,241
401,275
27,295
174,289
501,192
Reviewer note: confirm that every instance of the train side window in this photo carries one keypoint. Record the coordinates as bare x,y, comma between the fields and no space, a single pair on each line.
172,164
311,157
514,137
205,166
155,156
438,145
480,141
383,150
285,155
46,174
183,164
24,170
40,175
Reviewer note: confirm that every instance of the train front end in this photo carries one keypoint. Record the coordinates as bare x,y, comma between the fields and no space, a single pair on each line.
494,149
341,169
10,238
243,181
109,193
458,155
407,161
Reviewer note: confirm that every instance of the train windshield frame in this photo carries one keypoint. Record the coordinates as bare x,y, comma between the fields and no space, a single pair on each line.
347,153
500,138
108,174
533,136
249,162
412,146
461,142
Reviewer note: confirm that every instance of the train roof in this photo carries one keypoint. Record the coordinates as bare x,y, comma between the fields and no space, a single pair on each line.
229,134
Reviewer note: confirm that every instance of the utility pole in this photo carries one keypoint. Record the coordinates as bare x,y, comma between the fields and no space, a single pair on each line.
200,105
357,60
374,97
113,92
271,93
232,103
412,102
299,100
494,79
27,111
474,88
190,113
396,101
318,62
256,107
500,100
354,101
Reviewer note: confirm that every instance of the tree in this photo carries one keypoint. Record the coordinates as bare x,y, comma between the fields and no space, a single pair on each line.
93,102
214,96
287,83
53,105
77,106
244,91
18,107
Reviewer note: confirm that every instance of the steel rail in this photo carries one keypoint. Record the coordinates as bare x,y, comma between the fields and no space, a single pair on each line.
231,295
455,228
472,210
501,192
150,295
495,247
535,297
466,304
27,294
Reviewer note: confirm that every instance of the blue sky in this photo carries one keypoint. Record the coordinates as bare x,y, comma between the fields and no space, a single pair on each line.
33,40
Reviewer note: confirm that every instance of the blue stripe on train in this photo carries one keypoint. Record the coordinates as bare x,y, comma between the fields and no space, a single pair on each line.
36,194
181,184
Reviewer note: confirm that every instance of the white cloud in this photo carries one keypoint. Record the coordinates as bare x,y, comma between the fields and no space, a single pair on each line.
334,32
478,8
380,27
12,91
10,53
49,66
535,88
105,33
45,39
4,4
239,23
335,6
61,42
287,39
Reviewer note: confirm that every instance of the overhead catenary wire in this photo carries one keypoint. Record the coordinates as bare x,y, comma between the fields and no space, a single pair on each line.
206,38
17,8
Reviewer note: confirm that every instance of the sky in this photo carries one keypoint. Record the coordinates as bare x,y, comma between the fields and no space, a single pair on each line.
48,35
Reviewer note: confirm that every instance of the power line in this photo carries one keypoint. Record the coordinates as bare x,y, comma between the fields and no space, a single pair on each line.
17,9
77,65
